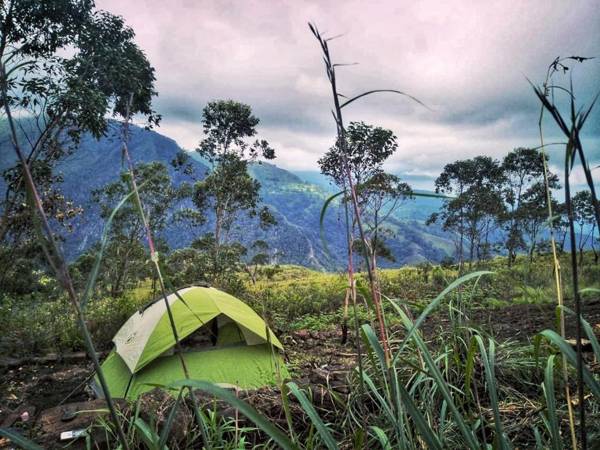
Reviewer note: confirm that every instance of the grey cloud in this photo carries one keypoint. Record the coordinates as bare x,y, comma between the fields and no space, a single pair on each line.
469,63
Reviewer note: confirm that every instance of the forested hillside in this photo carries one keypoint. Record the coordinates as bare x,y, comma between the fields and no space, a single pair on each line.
296,204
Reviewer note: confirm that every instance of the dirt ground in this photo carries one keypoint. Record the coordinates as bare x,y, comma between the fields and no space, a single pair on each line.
315,358
521,322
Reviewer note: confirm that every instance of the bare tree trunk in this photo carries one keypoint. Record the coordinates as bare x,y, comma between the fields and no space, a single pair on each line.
218,225
593,244
461,245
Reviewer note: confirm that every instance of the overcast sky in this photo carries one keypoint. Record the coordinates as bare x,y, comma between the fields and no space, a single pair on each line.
468,61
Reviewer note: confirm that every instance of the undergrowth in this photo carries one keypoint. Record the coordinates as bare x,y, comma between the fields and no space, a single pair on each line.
296,298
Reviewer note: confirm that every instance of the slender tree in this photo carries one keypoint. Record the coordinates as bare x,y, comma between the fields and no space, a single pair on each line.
532,215
66,67
353,163
475,185
583,212
523,169
380,197
229,190
350,188
379,194
365,149
58,97
158,197
560,225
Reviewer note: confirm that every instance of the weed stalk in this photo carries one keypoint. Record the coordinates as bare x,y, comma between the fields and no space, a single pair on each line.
341,136
57,260
154,257
556,261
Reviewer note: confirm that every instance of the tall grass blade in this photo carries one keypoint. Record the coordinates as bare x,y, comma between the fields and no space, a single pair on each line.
375,391
309,409
589,331
164,434
148,435
552,419
566,350
426,432
436,302
377,349
89,288
259,420
19,440
441,383
391,91
430,195
489,360
381,437
285,401
322,220
470,366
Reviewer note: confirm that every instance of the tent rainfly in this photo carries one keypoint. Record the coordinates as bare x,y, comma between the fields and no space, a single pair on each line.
224,341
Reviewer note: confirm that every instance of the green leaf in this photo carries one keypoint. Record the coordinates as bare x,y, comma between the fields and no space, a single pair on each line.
566,349
469,366
442,384
89,288
322,219
589,333
309,409
251,413
286,409
589,291
148,435
393,91
435,302
381,437
164,434
426,432
19,440
488,358
548,388
430,195
382,401
373,342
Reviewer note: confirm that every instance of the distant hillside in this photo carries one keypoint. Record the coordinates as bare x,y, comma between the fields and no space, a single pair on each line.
296,203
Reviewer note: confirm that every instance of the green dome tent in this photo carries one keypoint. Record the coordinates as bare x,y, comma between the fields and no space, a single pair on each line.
224,341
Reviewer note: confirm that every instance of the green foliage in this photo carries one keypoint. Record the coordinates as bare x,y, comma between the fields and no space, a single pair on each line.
66,67
584,217
23,271
453,391
16,438
219,265
227,126
525,196
39,325
366,149
477,203
125,257
228,191
103,69
378,194
291,297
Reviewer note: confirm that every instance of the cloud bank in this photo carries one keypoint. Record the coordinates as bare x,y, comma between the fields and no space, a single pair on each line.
469,62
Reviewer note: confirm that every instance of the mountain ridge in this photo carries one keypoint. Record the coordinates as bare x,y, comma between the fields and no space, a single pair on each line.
296,205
